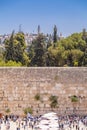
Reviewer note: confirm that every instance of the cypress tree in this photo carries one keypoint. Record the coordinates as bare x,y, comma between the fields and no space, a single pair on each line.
55,34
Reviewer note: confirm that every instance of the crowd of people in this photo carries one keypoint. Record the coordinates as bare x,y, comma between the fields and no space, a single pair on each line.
69,122
73,122
14,122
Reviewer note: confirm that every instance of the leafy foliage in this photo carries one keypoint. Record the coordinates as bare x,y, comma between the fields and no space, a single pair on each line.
45,51
37,96
70,51
74,98
53,100
37,51
15,49
28,110
10,64
7,110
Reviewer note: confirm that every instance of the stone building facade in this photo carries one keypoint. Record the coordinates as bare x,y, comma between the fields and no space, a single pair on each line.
19,86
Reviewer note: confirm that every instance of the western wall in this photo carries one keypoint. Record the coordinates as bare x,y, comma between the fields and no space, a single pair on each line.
19,86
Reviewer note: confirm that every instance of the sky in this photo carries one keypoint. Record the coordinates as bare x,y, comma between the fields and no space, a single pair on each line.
69,16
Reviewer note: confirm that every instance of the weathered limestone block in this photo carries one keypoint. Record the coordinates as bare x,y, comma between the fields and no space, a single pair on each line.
41,105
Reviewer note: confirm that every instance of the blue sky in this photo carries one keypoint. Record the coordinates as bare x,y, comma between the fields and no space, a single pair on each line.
69,15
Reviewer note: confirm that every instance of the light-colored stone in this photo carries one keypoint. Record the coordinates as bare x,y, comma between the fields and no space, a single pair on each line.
18,87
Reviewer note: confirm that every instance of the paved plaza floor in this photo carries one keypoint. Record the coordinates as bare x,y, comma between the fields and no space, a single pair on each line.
13,126
82,127
48,121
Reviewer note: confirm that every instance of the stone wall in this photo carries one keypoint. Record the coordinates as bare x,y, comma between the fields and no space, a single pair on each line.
18,87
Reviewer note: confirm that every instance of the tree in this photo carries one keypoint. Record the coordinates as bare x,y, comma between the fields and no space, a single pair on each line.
67,58
84,35
9,48
10,64
85,57
38,29
55,56
55,34
15,49
77,56
37,51
70,51
49,40
2,53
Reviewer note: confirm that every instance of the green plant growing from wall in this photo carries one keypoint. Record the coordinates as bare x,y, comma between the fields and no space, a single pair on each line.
8,110
37,97
54,102
74,98
28,110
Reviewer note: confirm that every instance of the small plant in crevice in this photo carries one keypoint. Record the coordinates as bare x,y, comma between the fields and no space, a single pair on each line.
8,110
54,102
28,110
37,97
74,98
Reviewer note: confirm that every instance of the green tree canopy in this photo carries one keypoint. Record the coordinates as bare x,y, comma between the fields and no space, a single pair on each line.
15,49
37,51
